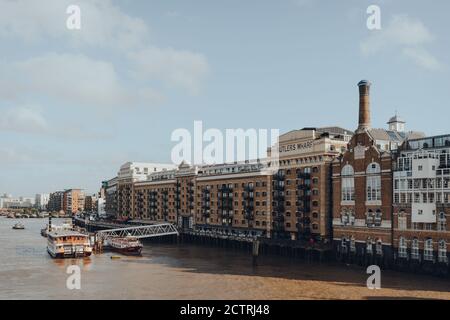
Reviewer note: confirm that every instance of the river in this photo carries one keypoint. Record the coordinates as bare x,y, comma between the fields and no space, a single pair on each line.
170,271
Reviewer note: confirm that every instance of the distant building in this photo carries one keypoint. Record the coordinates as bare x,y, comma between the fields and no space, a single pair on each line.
73,201
90,203
55,202
101,207
41,201
110,187
9,202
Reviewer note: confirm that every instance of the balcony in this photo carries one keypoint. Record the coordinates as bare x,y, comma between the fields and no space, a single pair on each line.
249,216
279,176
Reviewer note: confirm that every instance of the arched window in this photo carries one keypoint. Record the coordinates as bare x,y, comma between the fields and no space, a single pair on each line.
402,248
415,249
348,183
442,222
373,182
442,251
428,250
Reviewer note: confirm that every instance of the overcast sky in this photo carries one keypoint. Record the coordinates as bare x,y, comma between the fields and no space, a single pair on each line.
75,104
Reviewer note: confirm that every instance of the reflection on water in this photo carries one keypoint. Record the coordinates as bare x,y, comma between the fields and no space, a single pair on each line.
188,272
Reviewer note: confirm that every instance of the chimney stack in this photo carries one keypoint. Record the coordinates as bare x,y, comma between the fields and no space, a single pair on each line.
364,106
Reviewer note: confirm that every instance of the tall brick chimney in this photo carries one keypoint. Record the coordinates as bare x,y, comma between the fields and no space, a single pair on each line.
364,106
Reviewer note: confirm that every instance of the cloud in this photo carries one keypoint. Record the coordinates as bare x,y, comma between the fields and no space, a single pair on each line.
176,68
23,119
422,58
79,78
405,35
74,79
102,23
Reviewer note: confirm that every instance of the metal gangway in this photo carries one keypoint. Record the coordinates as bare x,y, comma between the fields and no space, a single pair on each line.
147,231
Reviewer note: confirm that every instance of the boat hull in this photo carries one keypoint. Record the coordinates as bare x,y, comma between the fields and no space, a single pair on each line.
68,256
132,251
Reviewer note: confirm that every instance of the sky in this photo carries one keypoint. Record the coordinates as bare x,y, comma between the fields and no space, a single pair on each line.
76,104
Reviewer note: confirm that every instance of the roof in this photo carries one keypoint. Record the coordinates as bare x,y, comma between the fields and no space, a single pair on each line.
396,118
394,136
66,233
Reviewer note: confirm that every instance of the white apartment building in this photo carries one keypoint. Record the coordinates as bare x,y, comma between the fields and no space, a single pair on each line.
41,201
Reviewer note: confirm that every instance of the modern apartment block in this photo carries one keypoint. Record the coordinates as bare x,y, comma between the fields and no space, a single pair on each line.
55,202
41,201
362,188
422,203
90,203
73,201
110,191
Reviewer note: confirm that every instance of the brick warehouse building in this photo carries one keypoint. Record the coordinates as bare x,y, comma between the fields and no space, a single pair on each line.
301,187
422,204
328,184
362,189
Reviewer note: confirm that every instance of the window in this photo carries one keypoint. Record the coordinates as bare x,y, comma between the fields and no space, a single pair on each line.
402,248
442,251
442,222
344,245
373,182
369,246
348,183
378,218
379,248
428,250
415,249
370,218
402,223
352,245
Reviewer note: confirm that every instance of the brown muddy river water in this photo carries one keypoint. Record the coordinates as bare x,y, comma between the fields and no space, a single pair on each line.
188,272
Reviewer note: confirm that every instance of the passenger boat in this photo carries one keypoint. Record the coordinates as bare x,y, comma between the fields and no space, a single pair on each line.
129,246
68,244
67,225
18,226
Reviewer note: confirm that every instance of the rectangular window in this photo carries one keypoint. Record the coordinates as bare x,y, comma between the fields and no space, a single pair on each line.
402,223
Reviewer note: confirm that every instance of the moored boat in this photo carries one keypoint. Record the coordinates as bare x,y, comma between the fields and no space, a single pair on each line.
130,246
18,226
68,244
